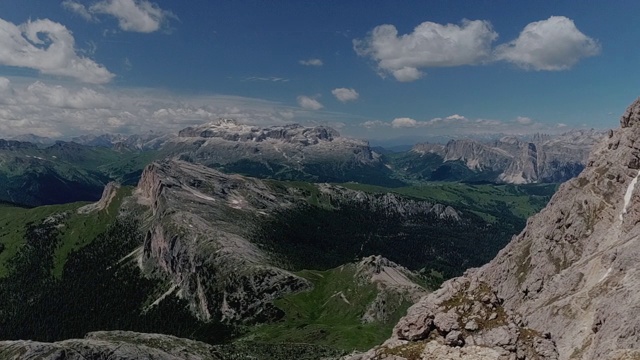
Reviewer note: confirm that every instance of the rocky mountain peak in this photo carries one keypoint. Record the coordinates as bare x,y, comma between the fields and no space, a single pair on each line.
632,115
231,130
565,288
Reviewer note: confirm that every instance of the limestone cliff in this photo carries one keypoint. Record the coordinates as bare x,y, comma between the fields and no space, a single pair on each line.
519,161
567,287
291,151
199,229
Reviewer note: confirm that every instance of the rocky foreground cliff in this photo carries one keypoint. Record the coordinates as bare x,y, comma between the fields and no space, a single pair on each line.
567,287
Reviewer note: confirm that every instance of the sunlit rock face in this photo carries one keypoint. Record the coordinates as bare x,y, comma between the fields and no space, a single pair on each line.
285,152
200,225
567,287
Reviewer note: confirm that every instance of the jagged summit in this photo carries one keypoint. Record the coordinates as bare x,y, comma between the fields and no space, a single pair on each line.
229,129
567,287
317,154
632,115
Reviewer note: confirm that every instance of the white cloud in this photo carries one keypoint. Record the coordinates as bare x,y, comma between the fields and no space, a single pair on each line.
133,15
77,8
61,97
48,47
552,44
455,117
309,103
311,62
268,78
407,74
404,122
66,109
370,124
460,125
344,94
429,45
523,120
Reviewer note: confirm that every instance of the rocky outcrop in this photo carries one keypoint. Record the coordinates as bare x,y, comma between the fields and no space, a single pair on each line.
198,237
127,345
396,285
477,156
122,345
566,287
200,223
391,203
108,194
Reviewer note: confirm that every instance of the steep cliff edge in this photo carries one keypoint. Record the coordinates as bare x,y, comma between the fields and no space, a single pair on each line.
567,287
204,232
198,237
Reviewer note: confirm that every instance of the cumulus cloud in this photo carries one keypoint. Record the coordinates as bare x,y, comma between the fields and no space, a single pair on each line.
455,117
61,97
523,120
133,15
48,47
77,8
404,122
429,45
344,94
461,125
66,109
311,62
309,103
407,74
370,124
552,44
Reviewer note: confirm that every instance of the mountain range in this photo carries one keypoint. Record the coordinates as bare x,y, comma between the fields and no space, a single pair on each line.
214,257
232,241
32,171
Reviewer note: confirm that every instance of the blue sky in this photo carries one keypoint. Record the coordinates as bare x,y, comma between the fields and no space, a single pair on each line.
373,69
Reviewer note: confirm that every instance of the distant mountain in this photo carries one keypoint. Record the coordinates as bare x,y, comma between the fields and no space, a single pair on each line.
34,139
542,158
63,172
30,171
289,152
149,141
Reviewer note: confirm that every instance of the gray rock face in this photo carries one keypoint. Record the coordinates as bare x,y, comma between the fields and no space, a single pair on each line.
108,194
122,345
198,236
568,286
544,158
391,203
394,283
199,225
287,152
